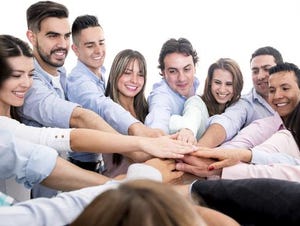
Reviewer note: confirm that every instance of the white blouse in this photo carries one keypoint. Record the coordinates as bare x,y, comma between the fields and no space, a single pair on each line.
57,138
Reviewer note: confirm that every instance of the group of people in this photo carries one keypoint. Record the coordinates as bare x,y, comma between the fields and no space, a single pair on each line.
83,133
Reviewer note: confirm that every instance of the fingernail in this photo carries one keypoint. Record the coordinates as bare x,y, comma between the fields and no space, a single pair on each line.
210,168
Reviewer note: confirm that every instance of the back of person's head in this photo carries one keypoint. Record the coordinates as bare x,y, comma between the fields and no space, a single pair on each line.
173,45
268,50
140,202
237,82
11,47
83,22
288,67
41,10
119,66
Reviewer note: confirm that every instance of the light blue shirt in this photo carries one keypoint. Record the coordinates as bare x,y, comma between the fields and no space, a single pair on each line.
249,108
85,88
29,163
43,105
66,207
163,103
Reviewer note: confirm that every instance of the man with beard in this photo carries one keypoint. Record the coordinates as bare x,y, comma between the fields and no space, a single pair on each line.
46,103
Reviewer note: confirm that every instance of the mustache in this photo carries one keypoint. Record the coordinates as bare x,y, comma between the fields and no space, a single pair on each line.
59,50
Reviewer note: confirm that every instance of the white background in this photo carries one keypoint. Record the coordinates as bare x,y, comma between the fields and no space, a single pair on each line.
216,28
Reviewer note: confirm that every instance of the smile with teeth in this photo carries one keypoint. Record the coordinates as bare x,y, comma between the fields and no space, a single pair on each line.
281,104
98,58
133,88
222,95
19,94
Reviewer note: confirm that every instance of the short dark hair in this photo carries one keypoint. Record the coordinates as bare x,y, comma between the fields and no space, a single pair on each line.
83,22
268,50
41,10
286,67
182,45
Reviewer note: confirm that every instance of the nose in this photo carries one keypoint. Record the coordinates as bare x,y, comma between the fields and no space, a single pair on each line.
262,74
99,48
181,76
277,94
222,88
26,81
63,42
134,78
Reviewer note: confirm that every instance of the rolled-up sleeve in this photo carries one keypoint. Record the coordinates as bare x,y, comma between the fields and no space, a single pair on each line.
56,138
29,163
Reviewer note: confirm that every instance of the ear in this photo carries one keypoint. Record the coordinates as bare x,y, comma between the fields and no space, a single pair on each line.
75,49
31,37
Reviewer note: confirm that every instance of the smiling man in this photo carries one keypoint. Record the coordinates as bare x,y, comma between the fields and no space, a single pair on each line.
177,61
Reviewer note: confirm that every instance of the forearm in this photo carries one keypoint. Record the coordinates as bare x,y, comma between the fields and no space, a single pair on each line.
84,118
103,142
214,136
67,176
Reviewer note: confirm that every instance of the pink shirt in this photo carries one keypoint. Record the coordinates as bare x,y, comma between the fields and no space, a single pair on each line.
275,153
281,144
255,133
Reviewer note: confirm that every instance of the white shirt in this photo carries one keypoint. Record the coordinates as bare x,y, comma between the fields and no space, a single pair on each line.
56,138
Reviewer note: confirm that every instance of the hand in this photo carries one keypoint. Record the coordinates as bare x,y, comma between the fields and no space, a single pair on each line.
166,147
197,166
224,157
187,135
166,168
139,129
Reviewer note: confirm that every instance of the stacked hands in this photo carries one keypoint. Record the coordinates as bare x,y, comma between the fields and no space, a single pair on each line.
179,155
207,162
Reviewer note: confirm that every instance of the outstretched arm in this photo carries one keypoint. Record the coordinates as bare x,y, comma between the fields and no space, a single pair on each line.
97,141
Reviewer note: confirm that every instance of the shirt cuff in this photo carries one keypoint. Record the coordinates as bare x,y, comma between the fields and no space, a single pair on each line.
40,165
143,171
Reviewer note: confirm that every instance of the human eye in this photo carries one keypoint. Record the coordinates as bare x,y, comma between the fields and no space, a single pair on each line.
285,88
228,83
15,75
172,71
218,82
255,71
271,90
67,36
187,68
31,74
52,35
127,71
